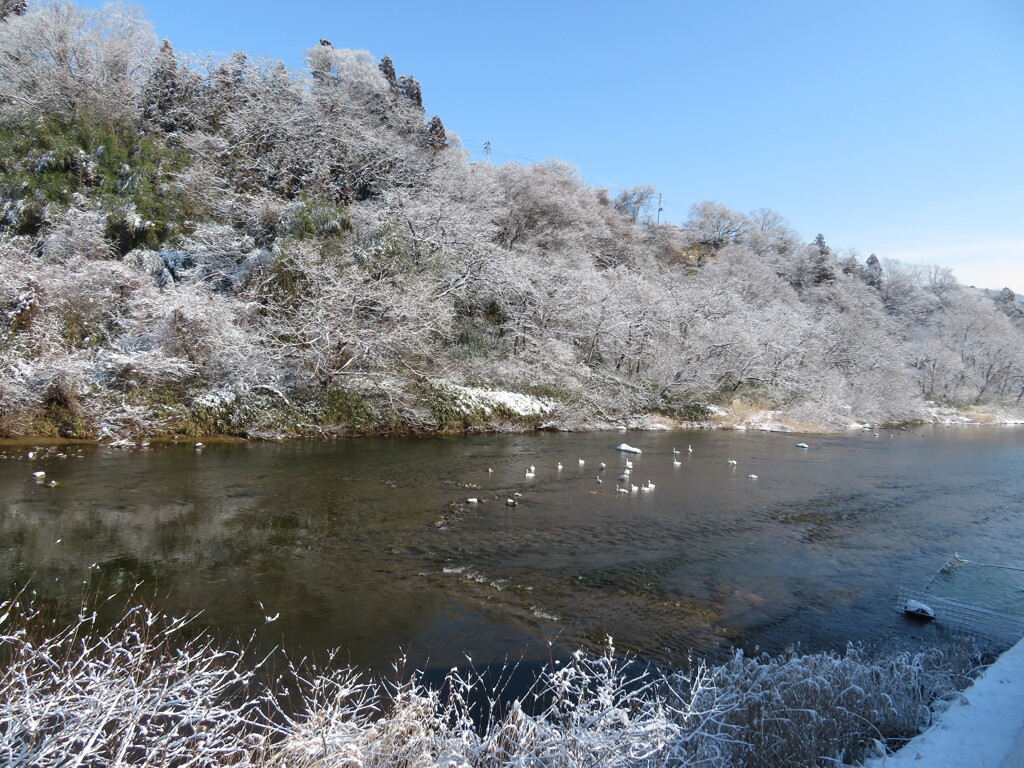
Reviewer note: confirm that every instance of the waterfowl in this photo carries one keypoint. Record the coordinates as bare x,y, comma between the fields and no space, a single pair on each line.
732,461
624,447
752,477
802,445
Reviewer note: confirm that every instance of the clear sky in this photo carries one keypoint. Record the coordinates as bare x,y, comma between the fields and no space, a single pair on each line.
894,128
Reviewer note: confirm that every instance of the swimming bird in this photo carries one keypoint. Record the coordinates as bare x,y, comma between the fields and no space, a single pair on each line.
530,474
600,480
582,462
602,465
268,619
689,448
489,470
676,450
620,490
511,502
732,461
39,475
802,445
559,466
676,462
629,464
752,477
623,477
633,489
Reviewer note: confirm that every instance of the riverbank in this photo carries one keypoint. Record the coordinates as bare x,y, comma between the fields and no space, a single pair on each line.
983,727
150,691
453,409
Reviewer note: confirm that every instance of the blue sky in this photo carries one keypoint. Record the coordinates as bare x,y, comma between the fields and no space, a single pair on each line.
894,128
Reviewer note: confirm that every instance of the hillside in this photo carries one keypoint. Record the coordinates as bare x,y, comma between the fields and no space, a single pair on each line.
223,246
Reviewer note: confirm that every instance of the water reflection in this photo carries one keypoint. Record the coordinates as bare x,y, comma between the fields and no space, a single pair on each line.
370,545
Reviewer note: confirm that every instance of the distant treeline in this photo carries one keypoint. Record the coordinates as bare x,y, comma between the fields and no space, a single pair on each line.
222,245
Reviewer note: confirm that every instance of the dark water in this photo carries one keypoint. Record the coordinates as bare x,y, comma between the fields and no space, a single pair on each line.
369,546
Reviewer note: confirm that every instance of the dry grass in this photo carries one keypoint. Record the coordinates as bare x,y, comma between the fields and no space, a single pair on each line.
149,692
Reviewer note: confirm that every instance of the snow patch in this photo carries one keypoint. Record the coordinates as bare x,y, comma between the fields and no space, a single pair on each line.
982,728
486,401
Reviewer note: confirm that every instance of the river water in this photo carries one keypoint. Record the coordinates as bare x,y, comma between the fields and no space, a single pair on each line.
370,547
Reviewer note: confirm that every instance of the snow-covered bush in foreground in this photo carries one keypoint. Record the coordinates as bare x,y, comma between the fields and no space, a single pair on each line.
153,692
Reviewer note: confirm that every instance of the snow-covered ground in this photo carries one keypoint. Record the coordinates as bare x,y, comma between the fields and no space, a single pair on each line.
984,729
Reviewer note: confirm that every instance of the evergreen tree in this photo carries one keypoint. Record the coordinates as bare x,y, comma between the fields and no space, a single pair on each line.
164,97
387,68
1006,302
872,272
822,268
411,89
437,137
12,8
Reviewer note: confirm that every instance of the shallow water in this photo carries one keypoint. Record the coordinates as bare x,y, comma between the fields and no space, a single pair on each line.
368,546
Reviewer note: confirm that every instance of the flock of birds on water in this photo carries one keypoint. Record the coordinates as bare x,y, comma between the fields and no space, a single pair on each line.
624,482
623,485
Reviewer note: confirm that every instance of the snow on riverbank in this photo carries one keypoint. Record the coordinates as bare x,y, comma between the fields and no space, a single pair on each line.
487,401
984,728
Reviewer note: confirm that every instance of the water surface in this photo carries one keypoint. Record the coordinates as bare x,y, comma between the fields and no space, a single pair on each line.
369,546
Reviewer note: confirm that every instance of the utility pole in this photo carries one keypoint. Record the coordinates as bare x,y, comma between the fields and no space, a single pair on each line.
487,152
660,209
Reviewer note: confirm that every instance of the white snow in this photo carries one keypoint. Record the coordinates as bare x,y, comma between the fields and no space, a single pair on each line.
472,399
984,728
915,606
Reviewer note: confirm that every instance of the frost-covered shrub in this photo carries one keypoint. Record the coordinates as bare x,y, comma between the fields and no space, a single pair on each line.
77,234
150,691
221,256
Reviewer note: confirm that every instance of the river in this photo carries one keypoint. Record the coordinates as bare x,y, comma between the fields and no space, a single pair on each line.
369,546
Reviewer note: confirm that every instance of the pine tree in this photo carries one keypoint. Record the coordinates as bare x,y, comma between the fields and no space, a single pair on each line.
872,272
12,8
411,89
162,96
387,68
822,264
437,137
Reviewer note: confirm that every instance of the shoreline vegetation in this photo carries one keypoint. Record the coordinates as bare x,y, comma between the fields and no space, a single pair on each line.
152,690
198,245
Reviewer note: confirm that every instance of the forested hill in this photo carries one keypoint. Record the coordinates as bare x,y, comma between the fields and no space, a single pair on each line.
204,245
